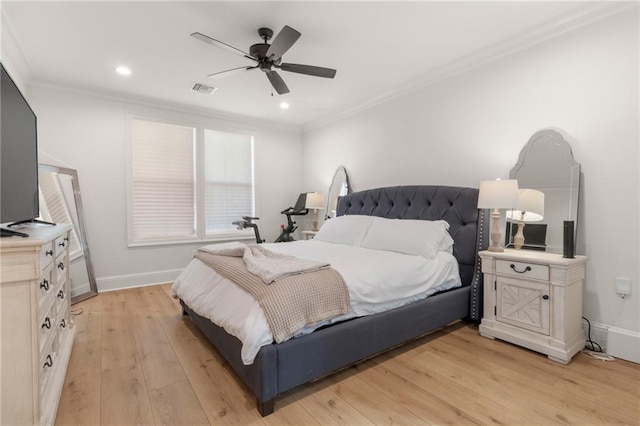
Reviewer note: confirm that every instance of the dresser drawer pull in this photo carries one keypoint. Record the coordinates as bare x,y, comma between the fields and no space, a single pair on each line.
45,284
46,324
527,269
48,362
63,323
61,295
61,266
545,297
61,244
48,253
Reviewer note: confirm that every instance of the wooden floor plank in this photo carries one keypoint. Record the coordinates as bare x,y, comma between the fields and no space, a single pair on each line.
125,400
176,404
138,360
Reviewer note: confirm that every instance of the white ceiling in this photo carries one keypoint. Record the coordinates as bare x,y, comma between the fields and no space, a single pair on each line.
378,48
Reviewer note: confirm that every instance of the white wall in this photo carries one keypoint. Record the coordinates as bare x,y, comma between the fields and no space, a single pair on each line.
89,133
472,126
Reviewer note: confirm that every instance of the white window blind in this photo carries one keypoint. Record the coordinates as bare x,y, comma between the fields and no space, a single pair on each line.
228,179
163,186
187,188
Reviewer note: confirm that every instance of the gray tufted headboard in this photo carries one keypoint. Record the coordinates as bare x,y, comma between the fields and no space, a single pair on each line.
468,226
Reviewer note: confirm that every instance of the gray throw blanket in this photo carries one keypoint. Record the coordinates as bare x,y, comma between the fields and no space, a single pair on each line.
291,302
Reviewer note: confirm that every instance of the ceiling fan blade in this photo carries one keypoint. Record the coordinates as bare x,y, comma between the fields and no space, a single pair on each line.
277,82
308,70
225,46
283,42
232,71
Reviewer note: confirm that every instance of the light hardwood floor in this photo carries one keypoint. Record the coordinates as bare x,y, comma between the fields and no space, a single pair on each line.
137,360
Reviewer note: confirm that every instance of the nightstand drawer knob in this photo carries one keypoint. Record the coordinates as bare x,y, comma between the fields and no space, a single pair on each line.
527,269
545,297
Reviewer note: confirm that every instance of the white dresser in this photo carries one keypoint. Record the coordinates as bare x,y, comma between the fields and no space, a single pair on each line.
35,322
534,299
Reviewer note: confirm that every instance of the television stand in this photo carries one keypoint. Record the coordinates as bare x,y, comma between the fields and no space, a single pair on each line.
22,222
12,233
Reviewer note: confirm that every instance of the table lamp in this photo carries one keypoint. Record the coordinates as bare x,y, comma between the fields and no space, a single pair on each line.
530,209
495,195
315,202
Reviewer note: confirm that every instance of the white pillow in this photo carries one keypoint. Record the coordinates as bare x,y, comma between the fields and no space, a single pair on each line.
349,229
416,237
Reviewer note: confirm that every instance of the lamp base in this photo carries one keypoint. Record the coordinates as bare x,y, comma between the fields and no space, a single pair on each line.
518,239
315,221
496,235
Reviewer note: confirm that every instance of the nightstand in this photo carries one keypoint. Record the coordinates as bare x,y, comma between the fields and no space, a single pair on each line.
534,299
308,235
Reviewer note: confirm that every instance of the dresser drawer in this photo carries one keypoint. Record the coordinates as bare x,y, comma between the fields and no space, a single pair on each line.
47,366
61,243
61,266
45,285
48,325
522,270
46,255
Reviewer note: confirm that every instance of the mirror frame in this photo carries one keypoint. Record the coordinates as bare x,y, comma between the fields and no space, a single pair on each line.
339,170
564,147
80,229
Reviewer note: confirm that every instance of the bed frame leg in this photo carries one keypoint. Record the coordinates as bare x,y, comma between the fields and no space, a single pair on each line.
267,407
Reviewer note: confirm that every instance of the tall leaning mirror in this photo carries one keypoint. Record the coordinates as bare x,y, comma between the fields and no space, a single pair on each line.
339,187
61,202
546,165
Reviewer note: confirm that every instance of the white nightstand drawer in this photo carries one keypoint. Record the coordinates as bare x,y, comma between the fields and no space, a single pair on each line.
522,270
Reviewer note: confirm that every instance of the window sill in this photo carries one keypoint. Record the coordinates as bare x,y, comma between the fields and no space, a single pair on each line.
226,237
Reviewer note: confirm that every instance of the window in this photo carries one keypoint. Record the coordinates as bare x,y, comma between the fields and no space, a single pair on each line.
188,183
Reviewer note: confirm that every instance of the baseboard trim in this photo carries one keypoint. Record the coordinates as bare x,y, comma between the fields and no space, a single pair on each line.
617,342
623,344
121,282
598,333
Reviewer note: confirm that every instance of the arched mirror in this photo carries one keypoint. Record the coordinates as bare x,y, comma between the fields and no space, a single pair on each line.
546,164
339,187
60,202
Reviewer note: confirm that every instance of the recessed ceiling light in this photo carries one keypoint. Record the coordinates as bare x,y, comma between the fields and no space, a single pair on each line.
123,70
284,105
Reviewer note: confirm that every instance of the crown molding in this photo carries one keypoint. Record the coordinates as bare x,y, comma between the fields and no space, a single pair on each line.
593,12
12,54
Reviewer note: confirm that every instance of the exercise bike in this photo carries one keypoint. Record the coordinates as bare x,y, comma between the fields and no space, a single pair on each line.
285,234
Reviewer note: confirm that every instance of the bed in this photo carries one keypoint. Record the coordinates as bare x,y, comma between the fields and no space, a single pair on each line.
277,368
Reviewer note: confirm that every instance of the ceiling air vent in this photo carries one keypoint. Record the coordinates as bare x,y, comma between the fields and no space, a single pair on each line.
203,88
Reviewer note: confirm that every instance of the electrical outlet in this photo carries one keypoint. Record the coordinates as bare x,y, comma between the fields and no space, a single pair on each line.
623,286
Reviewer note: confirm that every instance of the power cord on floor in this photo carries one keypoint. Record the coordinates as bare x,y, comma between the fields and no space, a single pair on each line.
76,312
595,350
595,347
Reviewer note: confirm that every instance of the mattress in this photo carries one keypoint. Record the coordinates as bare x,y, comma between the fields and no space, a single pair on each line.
377,281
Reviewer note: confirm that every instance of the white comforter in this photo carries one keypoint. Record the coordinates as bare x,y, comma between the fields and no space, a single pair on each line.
377,281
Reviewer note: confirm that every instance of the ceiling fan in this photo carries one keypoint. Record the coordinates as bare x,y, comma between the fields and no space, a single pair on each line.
269,56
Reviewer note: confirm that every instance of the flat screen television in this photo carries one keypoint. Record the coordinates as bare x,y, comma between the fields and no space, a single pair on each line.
18,157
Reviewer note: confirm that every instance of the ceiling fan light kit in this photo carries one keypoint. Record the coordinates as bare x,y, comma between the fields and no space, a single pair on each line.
269,56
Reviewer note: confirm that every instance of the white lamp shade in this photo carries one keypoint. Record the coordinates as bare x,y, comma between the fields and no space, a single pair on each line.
530,206
315,201
498,194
